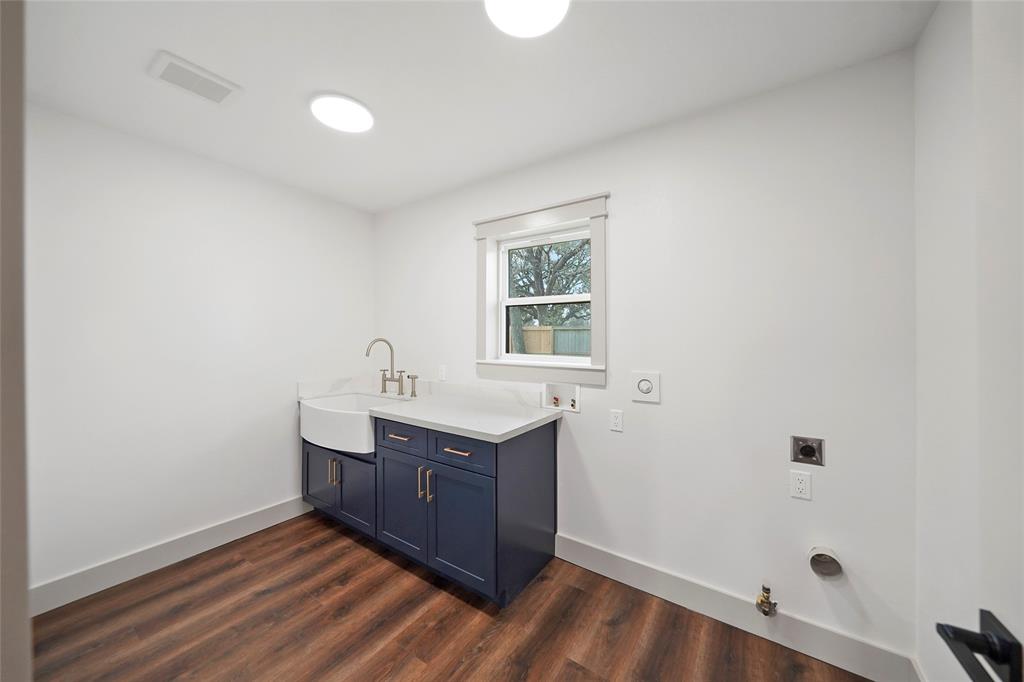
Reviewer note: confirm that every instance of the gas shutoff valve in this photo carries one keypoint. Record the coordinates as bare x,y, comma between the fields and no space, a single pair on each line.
764,602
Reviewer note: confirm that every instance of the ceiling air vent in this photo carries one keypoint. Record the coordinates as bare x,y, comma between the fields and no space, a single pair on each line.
197,80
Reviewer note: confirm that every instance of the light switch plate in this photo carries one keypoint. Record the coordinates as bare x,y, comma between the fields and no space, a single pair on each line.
646,387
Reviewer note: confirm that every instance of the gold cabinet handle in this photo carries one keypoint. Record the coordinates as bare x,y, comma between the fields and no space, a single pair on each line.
419,483
430,498
404,439
460,453
330,471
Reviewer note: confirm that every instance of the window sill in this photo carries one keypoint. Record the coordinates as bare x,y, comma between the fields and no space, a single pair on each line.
564,372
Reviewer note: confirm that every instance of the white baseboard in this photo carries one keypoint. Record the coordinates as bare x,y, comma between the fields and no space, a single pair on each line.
74,586
919,671
818,641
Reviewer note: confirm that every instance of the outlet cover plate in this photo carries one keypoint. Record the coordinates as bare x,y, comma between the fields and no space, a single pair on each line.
800,484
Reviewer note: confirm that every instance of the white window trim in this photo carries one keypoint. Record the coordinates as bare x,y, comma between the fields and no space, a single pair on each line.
553,223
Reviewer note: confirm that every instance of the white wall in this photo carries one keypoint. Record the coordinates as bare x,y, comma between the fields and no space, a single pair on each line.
969,342
761,256
998,78
172,305
947,336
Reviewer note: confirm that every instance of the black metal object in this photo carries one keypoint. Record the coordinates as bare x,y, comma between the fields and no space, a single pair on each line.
995,643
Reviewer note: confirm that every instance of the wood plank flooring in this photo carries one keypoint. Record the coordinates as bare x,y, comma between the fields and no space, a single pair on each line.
309,600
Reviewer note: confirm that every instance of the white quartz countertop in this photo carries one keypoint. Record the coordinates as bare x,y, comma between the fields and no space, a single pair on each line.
492,422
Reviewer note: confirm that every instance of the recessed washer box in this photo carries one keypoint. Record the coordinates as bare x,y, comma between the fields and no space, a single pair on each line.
646,387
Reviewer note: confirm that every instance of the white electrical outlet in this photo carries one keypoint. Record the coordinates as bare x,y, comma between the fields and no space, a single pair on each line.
615,420
800,484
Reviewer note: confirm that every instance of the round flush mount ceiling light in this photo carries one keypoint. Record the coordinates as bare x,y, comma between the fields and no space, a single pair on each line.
526,18
341,113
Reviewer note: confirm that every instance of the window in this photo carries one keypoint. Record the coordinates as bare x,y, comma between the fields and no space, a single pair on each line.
541,294
545,298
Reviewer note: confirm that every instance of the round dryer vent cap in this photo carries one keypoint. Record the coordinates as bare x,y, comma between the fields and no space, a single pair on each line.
824,562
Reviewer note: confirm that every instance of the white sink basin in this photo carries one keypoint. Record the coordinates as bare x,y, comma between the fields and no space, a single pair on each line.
341,422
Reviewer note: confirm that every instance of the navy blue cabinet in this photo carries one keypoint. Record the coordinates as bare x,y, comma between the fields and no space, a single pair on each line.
479,513
402,502
357,493
318,476
461,526
482,514
340,485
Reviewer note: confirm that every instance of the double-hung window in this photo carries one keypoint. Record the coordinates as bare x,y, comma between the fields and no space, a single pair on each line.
545,296
541,294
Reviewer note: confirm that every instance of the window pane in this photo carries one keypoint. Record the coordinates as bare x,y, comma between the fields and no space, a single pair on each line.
559,329
549,269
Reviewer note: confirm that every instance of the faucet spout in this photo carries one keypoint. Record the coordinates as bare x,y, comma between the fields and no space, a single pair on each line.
381,339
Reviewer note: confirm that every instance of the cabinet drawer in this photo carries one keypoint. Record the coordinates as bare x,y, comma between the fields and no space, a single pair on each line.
458,451
402,437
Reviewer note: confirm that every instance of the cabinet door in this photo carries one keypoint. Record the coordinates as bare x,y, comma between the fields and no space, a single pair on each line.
401,502
317,472
357,503
462,526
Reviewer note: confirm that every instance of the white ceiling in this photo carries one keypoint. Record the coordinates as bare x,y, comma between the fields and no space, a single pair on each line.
454,98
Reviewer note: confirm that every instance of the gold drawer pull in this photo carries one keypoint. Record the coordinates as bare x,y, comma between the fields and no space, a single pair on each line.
395,436
430,498
419,483
460,453
330,471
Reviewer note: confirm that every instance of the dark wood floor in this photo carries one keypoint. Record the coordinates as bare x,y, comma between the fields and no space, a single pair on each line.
309,600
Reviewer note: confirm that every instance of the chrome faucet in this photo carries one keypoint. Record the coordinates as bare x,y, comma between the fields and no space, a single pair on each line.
385,378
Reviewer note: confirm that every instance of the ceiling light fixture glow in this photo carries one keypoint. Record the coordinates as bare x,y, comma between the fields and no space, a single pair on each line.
341,113
526,18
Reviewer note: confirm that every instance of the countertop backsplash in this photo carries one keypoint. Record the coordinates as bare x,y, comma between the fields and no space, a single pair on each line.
527,395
